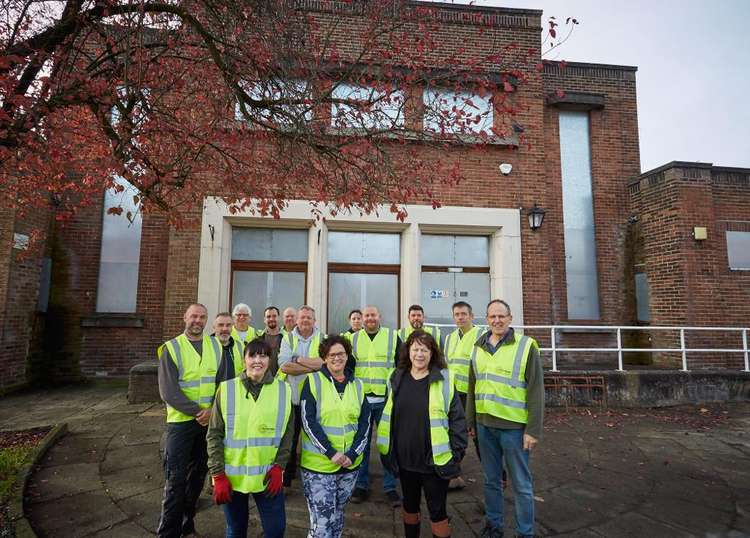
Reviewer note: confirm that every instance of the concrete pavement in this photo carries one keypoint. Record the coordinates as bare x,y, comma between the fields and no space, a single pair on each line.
657,473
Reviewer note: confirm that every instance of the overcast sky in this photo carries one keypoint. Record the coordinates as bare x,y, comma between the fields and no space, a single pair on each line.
693,79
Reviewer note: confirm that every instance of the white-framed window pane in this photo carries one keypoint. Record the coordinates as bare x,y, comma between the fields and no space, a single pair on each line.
347,291
738,250
451,112
578,216
441,289
260,289
279,113
455,250
364,247
263,244
370,109
117,288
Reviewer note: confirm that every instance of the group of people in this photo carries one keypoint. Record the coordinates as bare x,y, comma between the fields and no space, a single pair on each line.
252,406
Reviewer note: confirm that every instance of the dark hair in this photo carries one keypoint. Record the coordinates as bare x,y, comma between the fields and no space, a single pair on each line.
461,304
258,346
499,301
272,308
426,339
355,311
328,342
416,307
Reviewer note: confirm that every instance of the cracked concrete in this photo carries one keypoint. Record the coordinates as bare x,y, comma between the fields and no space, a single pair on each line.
676,472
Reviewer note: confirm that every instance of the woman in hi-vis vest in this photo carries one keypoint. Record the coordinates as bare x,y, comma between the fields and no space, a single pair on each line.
422,437
249,440
335,419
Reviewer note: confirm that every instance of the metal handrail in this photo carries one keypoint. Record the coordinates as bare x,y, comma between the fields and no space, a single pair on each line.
745,350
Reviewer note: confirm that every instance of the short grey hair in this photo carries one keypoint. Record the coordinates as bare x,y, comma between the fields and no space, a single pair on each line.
241,306
308,308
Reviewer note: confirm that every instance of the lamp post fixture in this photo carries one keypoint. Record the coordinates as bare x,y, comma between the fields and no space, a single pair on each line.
536,217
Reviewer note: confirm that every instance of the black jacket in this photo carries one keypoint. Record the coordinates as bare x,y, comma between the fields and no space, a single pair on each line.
456,428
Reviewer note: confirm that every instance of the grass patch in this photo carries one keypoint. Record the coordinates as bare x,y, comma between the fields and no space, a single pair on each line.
15,448
11,461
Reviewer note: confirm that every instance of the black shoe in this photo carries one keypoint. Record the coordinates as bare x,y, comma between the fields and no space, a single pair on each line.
394,498
359,495
491,532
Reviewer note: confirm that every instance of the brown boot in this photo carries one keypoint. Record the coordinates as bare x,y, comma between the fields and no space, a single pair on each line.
411,524
441,529
456,483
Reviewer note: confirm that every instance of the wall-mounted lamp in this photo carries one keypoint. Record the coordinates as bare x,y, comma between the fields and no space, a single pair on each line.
700,233
211,230
536,217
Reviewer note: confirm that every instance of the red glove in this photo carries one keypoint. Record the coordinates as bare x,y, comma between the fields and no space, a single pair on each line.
222,489
274,480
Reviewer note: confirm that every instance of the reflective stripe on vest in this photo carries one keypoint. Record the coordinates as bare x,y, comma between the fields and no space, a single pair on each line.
439,401
237,358
458,350
196,373
338,415
374,359
252,431
496,394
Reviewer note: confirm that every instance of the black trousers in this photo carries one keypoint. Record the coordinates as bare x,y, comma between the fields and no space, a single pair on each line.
462,397
435,493
290,473
185,469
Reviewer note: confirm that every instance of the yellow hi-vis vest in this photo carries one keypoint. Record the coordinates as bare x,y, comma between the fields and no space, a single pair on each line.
197,373
237,357
500,388
432,330
440,397
252,431
339,417
374,359
458,350
251,335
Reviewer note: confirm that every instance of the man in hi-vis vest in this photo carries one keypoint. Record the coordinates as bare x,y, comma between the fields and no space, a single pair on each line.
298,356
416,321
375,351
188,366
505,409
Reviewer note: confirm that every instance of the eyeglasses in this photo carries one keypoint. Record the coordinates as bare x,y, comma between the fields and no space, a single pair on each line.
341,355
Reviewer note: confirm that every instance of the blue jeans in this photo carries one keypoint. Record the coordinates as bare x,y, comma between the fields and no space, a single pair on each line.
270,509
497,445
363,479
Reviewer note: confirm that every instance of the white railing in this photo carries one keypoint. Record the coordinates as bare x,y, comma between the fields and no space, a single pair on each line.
619,349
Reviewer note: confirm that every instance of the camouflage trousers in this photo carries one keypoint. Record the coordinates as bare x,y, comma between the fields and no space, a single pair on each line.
327,496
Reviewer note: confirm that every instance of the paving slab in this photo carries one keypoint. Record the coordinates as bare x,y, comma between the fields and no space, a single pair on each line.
76,516
641,473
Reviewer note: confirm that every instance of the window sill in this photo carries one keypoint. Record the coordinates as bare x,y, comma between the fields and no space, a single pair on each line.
109,320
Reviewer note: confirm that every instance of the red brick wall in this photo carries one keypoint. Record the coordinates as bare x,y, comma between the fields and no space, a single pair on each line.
169,263
20,272
690,281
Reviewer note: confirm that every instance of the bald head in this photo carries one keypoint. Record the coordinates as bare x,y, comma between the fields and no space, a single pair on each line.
371,319
195,321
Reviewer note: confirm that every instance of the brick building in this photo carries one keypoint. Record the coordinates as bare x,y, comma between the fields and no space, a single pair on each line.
103,295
